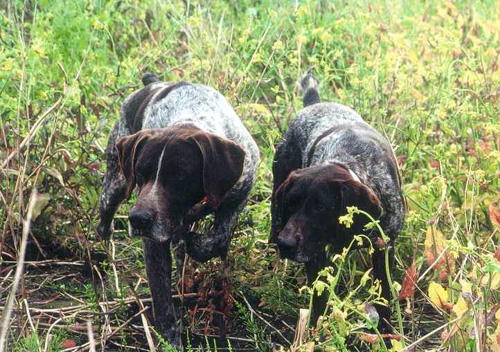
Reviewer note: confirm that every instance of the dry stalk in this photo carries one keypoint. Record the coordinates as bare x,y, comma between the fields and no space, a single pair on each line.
146,329
47,338
91,337
301,331
32,132
19,271
86,346
264,320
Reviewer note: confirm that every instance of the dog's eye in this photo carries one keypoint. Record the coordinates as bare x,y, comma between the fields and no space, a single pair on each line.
319,207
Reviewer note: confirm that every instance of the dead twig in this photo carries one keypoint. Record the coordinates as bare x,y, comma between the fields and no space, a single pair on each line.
87,345
91,336
19,271
301,332
32,132
264,320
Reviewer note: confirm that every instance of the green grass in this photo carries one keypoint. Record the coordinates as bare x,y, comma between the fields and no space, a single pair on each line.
426,75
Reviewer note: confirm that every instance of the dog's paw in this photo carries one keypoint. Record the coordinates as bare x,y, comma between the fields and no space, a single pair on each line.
104,231
203,247
198,212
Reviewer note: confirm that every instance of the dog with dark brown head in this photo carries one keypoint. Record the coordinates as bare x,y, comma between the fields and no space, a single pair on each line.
310,202
187,153
174,169
329,160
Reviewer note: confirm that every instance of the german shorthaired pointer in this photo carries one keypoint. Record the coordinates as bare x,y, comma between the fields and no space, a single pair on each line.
331,159
189,155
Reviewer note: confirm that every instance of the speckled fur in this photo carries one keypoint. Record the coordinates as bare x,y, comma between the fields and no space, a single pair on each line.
188,104
355,145
160,105
329,133
207,109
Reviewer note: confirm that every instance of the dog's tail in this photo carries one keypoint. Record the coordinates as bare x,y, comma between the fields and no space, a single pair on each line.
149,78
310,89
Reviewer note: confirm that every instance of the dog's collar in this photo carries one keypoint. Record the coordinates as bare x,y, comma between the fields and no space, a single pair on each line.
320,138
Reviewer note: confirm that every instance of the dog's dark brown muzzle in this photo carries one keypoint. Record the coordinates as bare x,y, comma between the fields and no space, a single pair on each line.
287,245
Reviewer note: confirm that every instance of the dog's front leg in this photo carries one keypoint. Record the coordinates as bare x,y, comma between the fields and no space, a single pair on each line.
318,302
215,243
159,268
114,184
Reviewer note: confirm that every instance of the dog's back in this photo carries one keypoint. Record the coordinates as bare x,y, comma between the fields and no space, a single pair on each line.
334,133
163,104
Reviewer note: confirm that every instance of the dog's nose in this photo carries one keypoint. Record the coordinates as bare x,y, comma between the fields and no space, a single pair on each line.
287,243
140,219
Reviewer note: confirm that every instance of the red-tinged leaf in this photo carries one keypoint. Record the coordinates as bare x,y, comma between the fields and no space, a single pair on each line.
446,266
402,159
67,158
370,338
492,313
434,164
93,167
68,343
485,147
409,282
392,337
448,306
95,109
439,296
470,147
497,253
381,243
434,244
494,213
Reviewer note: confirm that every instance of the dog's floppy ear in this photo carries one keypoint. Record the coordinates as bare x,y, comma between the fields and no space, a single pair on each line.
128,148
277,211
222,165
354,193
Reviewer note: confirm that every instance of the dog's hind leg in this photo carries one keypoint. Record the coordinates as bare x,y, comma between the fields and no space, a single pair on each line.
114,185
159,269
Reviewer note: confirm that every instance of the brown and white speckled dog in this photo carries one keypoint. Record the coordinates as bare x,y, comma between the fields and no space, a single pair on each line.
189,155
331,159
